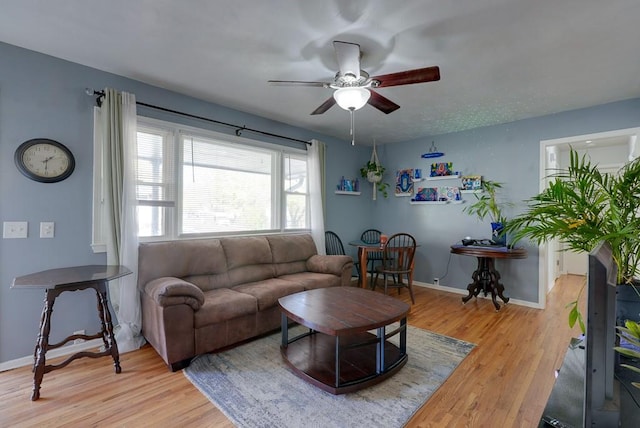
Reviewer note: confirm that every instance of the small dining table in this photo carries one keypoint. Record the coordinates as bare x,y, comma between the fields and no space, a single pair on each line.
364,248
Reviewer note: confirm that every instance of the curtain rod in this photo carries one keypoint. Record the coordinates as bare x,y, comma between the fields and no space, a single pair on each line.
100,95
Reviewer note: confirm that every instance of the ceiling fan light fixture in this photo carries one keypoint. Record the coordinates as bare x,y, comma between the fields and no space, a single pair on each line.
351,98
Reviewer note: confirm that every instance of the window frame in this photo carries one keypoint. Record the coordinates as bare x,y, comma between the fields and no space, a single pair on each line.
173,217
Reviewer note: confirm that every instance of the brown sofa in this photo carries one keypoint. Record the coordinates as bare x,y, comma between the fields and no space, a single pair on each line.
202,295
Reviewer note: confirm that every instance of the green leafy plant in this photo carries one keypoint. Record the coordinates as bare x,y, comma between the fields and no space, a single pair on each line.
487,204
582,207
373,172
574,313
630,333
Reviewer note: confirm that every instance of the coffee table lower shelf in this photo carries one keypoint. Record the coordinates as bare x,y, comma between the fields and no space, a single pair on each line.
312,356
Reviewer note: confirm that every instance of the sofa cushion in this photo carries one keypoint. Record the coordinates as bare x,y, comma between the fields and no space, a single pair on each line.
223,304
180,259
290,252
311,280
210,281
291,248
248,259
269,291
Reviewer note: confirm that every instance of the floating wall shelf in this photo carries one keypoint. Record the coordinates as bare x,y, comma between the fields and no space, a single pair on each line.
436,202
443,177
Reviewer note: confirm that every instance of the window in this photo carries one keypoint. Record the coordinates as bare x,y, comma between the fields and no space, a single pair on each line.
193,182
227,187
155,189
296,192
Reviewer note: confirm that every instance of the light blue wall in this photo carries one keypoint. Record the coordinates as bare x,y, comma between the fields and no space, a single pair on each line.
41,96
506,153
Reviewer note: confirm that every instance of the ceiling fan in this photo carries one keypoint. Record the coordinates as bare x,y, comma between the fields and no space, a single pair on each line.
354,87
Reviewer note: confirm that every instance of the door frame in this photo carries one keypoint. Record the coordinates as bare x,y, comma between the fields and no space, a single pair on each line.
547,266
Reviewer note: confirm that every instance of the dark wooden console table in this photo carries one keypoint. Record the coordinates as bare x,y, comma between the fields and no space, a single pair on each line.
486,278
55,282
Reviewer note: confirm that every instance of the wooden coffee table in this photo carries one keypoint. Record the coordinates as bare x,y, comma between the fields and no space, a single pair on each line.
339,353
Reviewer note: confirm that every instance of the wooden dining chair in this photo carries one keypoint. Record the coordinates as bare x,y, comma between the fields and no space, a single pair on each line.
372,236
333,246
397,260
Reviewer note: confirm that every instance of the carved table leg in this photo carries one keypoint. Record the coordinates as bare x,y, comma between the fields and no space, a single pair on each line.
42,345
474,287
485,275
107,327
102,320
497,287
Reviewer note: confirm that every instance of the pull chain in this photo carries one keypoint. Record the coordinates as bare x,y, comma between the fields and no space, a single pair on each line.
353,131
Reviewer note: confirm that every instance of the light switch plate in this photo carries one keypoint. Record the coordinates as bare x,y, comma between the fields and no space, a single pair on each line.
14,229
47,229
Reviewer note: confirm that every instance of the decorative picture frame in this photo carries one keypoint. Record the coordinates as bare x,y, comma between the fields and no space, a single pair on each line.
404,182
452,193
471,182
441,169
424,194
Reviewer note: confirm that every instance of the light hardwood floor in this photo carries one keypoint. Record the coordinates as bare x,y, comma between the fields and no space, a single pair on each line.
504,382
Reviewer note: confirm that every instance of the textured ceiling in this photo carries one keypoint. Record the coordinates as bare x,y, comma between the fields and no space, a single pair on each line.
500,60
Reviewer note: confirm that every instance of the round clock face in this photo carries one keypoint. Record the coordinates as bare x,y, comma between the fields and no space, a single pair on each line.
44,160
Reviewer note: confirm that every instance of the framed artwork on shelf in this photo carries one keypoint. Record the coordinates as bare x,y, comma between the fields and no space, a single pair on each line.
404,182
424,194
441,169
451,193
471,182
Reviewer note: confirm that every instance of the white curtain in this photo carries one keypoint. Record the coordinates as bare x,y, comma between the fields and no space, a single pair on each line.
315,162
118,116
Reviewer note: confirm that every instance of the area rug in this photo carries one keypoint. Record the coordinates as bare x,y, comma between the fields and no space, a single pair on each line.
253,386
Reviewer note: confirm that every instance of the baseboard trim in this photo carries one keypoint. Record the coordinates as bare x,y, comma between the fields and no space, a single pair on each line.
54,353
464,292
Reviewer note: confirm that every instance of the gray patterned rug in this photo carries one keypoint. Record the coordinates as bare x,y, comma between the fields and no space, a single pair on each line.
253,387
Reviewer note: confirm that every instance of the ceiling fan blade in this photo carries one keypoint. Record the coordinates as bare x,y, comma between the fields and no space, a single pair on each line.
420,75
348,56
383,104
298,83
324,106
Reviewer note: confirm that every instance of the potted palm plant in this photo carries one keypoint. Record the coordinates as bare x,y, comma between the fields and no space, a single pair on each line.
487,205
582,207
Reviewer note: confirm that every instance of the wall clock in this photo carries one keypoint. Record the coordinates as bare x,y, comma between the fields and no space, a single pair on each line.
44,160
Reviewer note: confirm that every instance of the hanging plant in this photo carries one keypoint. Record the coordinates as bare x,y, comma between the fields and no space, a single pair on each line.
373,172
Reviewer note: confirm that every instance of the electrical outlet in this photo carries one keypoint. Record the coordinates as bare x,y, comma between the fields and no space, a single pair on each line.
436,281
14,229
47,229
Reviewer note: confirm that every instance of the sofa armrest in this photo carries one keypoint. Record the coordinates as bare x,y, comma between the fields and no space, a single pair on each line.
170,291
335,265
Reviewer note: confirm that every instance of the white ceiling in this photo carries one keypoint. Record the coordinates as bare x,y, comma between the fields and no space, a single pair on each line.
500,60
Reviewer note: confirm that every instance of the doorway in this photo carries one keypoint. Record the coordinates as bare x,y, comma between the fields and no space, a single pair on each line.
575,263
610,150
